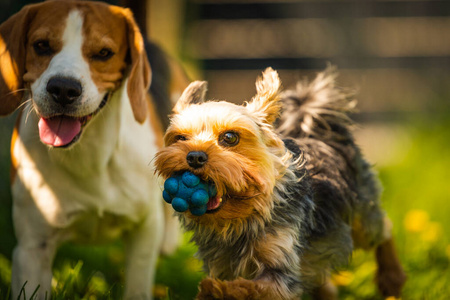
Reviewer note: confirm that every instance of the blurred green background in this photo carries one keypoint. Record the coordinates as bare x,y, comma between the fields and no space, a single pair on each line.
396,53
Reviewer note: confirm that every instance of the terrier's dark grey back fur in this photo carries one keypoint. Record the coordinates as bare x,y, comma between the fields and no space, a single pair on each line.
315,123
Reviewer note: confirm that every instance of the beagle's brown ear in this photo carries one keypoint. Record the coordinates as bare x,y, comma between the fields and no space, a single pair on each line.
12,59
140,73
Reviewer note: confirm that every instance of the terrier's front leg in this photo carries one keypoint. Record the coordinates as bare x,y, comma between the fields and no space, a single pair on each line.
238,289
278,275
243,289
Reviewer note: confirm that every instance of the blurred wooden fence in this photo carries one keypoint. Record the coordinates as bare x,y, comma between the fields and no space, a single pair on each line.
397,53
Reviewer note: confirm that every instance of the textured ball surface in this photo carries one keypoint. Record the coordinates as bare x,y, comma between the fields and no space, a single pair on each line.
200,197
187,191
167,197
198,211
171,185
189,179
180,205
212,190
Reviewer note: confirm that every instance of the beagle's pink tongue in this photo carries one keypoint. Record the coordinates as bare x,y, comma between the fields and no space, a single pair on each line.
58,131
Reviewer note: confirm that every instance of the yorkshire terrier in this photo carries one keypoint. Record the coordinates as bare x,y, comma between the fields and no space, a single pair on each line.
294,194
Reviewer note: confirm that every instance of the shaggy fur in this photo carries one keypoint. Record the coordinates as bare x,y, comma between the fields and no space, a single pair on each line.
297,197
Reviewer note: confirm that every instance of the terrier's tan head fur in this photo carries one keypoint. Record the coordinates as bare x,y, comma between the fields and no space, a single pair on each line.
242,151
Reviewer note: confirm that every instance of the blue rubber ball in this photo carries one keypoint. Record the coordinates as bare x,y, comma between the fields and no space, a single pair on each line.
167,197
212,190
189,179
180,205
185,192
171,185
199,198
198,211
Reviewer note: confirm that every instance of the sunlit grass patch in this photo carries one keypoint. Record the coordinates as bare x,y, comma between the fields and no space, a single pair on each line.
5,277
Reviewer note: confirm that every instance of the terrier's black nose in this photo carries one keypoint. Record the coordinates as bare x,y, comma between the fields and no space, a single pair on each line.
64,90
196,159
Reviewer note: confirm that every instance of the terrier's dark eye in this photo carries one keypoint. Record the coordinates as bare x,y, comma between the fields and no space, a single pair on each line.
229,138
179,138
103,55
42,48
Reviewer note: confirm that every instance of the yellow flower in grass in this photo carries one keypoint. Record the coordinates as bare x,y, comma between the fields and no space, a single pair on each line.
342,278
432,232
416,220
160,291
447,251
392,298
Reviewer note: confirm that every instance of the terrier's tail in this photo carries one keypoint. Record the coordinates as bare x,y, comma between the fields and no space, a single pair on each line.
317,109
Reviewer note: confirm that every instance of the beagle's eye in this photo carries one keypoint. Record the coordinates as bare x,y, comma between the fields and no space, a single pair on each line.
229,138
42,48
103,55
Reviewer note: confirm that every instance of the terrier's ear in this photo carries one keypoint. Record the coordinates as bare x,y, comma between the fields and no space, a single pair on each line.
194,93
265,104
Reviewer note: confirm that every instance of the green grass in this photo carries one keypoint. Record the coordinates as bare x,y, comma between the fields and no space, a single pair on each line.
416,197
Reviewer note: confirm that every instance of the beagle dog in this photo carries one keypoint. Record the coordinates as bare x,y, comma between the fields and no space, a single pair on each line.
84,140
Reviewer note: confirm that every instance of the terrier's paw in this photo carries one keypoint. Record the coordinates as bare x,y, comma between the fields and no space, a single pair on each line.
239,289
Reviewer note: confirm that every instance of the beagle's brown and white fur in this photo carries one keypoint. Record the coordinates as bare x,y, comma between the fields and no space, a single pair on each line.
84,140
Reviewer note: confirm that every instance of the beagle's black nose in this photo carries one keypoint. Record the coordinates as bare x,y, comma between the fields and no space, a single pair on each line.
64,90
196,159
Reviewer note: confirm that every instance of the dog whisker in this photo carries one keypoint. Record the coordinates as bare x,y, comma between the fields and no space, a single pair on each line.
24,103
31,108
